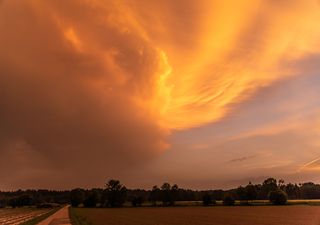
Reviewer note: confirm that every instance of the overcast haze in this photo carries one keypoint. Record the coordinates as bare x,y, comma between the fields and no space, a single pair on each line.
205,94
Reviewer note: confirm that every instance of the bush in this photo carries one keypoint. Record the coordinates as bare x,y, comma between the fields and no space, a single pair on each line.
228,200
278,197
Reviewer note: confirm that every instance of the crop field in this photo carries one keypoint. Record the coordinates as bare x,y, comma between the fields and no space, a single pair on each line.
19,215
217,215
252,202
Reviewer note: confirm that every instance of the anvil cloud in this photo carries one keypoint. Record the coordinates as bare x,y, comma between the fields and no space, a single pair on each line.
99,87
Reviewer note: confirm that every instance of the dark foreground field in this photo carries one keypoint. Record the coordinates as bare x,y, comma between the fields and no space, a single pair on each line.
238,215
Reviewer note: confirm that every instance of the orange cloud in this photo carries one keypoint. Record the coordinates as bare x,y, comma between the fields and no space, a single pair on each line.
213,54
232,49
240,50
79,75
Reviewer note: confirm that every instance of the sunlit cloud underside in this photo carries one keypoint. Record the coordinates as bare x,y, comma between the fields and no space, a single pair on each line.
114,83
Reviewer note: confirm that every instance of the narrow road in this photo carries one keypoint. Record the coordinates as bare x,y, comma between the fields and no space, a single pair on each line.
58,218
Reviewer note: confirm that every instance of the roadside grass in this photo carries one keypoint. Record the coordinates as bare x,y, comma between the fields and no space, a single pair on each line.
38,219
77,219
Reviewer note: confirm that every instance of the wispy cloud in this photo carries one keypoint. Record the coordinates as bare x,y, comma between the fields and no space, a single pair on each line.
311,165
241,159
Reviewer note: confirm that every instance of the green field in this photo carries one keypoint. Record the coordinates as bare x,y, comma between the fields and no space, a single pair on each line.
218,215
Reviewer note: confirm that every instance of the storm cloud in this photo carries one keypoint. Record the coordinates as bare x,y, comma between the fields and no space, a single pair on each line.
69,113
93,89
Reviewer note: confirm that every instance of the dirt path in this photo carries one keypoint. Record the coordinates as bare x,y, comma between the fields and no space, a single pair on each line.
58,218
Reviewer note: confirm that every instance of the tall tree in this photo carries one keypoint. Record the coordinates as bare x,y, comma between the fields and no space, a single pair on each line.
155,195
251,192
115,193
166,194
268,185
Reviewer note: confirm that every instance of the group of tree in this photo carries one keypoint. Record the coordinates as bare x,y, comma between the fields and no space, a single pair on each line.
167,194
33,197
115,194
269,189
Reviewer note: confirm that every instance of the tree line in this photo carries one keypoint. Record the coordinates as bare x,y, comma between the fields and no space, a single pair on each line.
115,194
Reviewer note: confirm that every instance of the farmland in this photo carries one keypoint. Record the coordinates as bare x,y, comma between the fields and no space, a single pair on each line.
217,215
19,215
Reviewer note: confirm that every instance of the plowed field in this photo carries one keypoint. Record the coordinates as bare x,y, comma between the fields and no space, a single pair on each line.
218,215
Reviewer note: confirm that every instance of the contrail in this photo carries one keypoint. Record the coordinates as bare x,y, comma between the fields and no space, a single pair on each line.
308,164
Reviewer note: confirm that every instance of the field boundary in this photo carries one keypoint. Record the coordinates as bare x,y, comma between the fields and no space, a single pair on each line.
76,219
40,218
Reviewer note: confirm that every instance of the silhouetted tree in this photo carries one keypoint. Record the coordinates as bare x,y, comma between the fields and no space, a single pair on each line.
207,200
115,193
278,197
169,194
218,194
310,190
155,195
268,185
24,200
228,200
77,197
293,191
281,184
251,191
91,199
247,193
13,202
242,194
136,201
166,194
3,202
174,194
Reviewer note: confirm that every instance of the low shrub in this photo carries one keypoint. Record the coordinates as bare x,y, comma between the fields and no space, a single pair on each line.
278,197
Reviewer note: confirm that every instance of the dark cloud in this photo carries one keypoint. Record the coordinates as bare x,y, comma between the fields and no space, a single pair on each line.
69,117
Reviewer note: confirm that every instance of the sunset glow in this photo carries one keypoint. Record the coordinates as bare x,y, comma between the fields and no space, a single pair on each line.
146,83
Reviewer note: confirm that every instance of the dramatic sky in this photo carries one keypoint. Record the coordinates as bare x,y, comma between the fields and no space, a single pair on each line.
205,94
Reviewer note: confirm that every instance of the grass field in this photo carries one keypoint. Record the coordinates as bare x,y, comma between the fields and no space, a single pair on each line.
218,215
20,215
